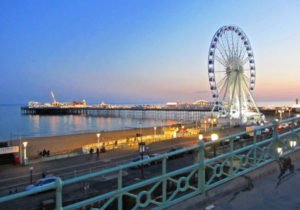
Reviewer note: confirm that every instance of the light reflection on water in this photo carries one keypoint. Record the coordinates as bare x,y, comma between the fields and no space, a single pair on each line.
14,125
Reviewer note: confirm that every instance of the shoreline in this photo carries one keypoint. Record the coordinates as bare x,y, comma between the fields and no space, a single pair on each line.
63,144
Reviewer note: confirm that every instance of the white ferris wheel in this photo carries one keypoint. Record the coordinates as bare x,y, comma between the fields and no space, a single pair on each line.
231,73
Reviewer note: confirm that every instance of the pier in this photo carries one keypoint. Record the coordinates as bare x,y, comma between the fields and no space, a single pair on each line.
138,113
184,114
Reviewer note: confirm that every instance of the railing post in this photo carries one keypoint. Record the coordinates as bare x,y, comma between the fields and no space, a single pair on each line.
255,150
120,196
275,140
201,168
164,184
231,144
59,185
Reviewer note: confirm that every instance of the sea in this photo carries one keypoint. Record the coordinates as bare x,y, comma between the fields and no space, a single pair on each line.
14,125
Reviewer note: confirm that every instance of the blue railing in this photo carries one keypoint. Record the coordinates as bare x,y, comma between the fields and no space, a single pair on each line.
212,164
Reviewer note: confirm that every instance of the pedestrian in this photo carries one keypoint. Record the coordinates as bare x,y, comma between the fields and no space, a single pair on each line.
103,148
98,152
91,151
44,152
48,153
43,174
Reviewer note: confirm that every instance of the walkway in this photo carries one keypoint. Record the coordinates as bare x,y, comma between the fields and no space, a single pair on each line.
263,191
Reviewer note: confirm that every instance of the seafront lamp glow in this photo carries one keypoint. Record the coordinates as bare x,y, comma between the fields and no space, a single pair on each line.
154,131
25,143
200,137
279,150
98,136
281,111
293,144
214,137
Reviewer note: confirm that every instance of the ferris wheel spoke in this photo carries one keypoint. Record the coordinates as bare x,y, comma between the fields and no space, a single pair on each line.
220,86
237,45
222,54
233,93
223,89
251,97
245,60
226,90
228,44
220,60
242,57
224,48
232,43
241,49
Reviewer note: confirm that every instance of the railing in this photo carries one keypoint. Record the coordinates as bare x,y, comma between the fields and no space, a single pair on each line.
213,163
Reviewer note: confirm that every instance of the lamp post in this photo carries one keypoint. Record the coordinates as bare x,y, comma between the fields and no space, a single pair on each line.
154,132
205,125
200,137
289,109
98,136
214,137
30,171
280,111
142,149
25,143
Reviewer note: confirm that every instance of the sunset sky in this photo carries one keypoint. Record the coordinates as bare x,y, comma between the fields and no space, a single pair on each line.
139,51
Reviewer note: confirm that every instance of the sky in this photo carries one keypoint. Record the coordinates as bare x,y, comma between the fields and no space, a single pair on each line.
139,51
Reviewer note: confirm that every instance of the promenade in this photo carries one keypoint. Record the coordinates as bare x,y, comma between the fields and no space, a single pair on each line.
261,189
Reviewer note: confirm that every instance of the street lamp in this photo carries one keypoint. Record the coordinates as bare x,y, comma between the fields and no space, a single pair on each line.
280,111
279,150
30,171
214,137
200,137
293,144
212,121
154,132
289,109
142,149
98,136
25,143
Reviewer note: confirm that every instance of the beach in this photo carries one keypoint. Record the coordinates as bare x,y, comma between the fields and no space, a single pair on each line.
73,143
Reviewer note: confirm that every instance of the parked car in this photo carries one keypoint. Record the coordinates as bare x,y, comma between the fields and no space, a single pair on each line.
41,182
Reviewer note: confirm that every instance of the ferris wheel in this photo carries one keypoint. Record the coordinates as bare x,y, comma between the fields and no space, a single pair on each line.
232,74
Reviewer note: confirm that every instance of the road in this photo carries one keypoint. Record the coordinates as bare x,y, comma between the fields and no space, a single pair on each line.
17,177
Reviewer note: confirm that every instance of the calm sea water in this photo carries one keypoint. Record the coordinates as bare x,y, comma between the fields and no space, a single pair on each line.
14,125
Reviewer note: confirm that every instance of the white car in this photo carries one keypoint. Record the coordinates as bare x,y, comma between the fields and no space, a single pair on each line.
41,182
